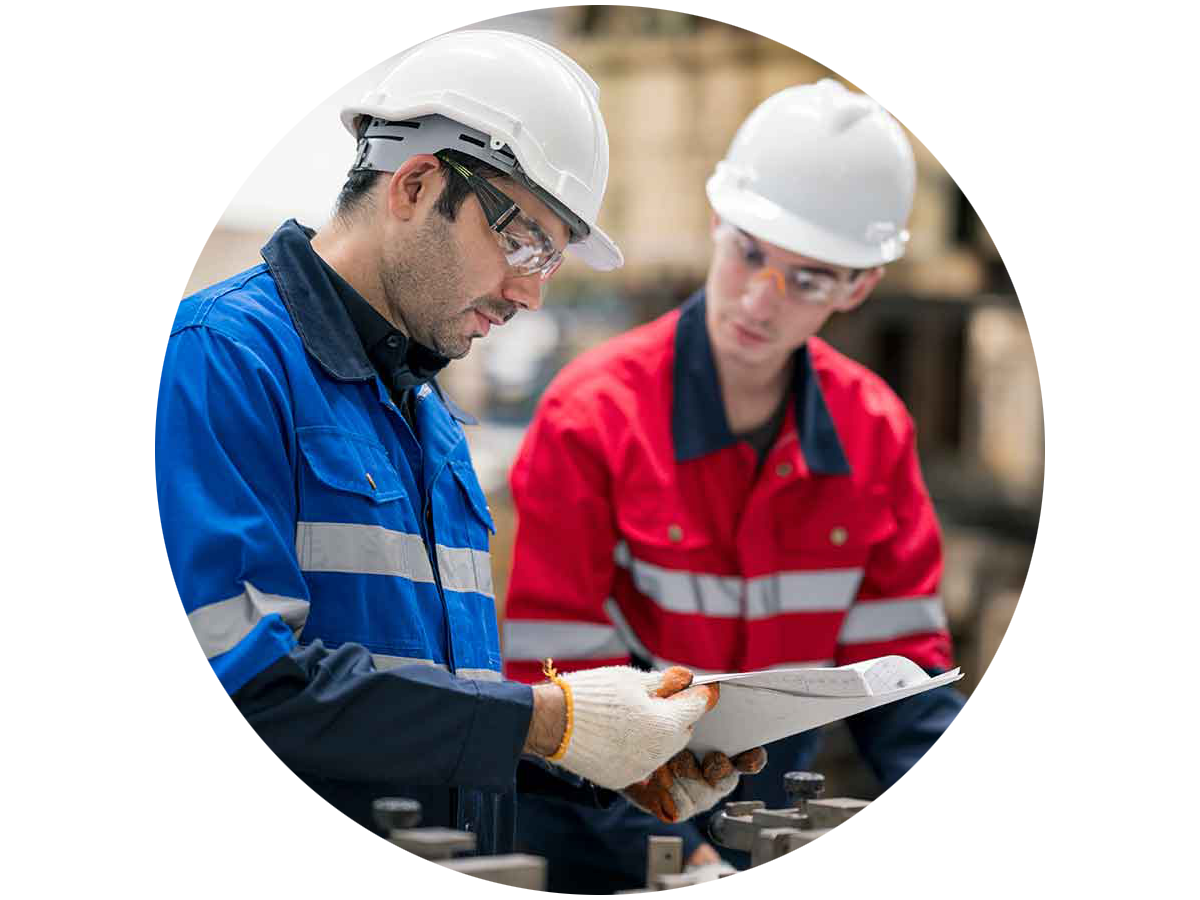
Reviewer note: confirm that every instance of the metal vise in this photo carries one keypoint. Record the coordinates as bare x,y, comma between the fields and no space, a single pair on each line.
417,861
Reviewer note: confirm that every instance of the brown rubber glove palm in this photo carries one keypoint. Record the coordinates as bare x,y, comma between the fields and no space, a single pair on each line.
685,786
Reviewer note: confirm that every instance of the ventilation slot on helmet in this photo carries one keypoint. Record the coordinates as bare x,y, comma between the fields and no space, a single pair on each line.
471,140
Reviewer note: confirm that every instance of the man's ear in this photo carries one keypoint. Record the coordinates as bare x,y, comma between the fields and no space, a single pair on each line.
863,285
414,187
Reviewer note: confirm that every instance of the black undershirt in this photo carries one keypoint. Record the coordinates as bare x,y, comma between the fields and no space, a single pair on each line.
762,438
401,363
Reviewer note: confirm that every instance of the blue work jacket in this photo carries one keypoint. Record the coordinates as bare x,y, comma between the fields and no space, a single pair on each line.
332,558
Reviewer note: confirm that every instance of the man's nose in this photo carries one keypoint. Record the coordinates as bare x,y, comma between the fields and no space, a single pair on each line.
765,288
524,290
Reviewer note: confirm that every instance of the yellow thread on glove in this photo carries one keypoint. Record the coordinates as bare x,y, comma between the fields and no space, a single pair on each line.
549,671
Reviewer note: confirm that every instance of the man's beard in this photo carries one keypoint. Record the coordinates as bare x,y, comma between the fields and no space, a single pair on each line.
423,287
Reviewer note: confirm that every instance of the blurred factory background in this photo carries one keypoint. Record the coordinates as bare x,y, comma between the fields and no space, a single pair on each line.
944,328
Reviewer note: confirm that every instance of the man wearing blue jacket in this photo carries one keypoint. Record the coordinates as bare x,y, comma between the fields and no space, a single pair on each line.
323,521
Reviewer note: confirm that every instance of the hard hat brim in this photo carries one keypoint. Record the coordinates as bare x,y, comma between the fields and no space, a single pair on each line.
598,251
767,221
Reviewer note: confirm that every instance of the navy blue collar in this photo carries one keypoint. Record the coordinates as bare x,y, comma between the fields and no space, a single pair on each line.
337,326
698,422
312,300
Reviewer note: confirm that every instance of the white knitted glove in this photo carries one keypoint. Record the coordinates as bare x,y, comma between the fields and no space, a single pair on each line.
682,788
617,733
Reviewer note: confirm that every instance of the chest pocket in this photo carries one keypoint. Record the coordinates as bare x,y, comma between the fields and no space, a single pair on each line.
834,524
473,501
359,545
346,477
658,526
670,553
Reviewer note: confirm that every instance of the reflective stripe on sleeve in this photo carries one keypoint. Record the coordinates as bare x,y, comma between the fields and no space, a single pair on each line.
535,639
884,620
361,550
383,662
221,626
464,569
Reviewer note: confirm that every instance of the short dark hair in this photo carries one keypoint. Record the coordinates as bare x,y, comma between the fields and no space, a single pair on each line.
356,191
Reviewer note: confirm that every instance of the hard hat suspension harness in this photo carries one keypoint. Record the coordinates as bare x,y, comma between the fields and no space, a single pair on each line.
384,146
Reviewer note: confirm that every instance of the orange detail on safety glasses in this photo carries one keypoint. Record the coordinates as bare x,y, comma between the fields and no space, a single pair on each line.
780,285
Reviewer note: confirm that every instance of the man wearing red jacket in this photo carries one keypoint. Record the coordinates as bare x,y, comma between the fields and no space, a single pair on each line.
723,490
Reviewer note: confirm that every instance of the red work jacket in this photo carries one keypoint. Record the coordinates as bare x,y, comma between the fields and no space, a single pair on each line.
646,529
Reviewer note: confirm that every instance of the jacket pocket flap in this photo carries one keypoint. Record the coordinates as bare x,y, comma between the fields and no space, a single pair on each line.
350,462
464,472
850,522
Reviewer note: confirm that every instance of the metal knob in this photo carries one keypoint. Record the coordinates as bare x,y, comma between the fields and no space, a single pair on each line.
803,786
396,812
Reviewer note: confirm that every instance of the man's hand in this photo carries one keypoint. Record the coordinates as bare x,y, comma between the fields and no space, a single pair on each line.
620,724
684,786
704,855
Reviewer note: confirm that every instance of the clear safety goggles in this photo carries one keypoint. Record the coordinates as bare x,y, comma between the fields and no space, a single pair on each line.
526,247
804,284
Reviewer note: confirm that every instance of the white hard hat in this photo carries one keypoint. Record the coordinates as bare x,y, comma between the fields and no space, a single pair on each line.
821,171
517,97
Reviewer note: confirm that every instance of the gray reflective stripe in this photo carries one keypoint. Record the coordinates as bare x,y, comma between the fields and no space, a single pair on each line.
464,569
824,590
625,631
383,662
658,662
535,639
720,596
362,550
680,591
883,620
221,626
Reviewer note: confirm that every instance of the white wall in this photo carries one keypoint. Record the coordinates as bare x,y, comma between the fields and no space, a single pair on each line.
247,101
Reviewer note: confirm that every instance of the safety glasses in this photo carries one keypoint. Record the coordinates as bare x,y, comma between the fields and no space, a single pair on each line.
804,284
526,247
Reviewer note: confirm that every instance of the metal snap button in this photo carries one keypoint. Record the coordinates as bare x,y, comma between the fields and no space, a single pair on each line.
838,536
675,533
783,470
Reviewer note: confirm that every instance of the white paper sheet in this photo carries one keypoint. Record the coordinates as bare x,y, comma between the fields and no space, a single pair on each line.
759,707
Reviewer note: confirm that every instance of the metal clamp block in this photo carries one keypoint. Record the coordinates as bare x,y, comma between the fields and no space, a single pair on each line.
772,843
511,874
779,818
433,843
839,811
664,856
